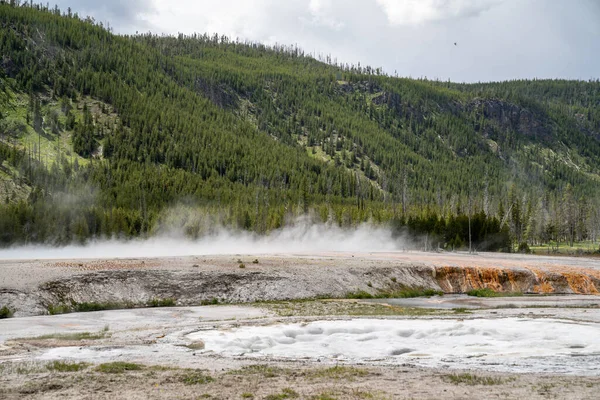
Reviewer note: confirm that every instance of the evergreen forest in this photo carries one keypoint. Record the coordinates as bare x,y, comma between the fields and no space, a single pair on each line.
105,135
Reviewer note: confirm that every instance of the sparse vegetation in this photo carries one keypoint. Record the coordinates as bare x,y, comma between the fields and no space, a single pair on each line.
461,310
339,372
63,366
212,302
255,261
94,306
402,293
118,367
196,378
414,292
487,292
263,370
324,396
470,379
59,309
5,312
361,294
286,393
162,303
242,265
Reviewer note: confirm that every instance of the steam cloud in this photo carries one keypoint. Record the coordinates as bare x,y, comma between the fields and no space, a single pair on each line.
413,12
302,237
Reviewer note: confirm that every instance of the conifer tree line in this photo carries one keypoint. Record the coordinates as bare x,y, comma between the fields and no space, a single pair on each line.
251,137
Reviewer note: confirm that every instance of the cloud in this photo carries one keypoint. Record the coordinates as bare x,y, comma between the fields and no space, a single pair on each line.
414,12
323,13
115,12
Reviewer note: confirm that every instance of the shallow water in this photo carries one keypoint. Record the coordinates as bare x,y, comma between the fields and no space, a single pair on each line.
450,301
509,344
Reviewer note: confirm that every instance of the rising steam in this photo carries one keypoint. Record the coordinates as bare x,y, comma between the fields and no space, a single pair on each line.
302,237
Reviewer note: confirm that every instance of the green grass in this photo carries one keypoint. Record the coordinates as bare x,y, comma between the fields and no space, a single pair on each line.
416,292
472,380
264,370
359,295
487,292
118,367
396,294
286,393
62,366
196,378
93,306
338,372
324,396
162,303
5,312
562,248
54,309
461,310
59,309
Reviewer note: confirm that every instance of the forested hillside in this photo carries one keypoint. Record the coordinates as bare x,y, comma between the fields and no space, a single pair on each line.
104,135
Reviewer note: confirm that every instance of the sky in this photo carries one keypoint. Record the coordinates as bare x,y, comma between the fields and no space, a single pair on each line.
460,40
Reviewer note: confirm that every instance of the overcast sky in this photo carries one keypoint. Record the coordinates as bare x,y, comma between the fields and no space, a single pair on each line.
495,39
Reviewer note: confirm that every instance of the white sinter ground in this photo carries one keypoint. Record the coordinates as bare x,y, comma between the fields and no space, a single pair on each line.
507,345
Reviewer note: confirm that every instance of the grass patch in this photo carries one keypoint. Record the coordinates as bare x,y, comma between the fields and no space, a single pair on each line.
338,372
162,303
359,295
472,380
93,306
118,367
5,312
264,370
286,393
487,292
324,396
55,309
247,395
398,294
59,309
62,366
212,302
196,378
415,292
461,310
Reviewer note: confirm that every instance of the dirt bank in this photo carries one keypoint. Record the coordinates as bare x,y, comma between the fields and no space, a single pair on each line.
33,287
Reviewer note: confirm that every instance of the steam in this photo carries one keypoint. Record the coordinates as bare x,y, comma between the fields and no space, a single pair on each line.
302,237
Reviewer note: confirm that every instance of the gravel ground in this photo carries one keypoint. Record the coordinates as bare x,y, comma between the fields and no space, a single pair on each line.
155,340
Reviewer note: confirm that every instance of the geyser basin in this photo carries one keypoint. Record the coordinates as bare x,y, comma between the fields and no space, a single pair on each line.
510,345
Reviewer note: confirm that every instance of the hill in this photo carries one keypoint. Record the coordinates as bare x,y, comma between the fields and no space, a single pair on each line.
105,135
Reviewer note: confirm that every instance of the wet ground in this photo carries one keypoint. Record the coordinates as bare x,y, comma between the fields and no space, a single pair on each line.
455,345
451,301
